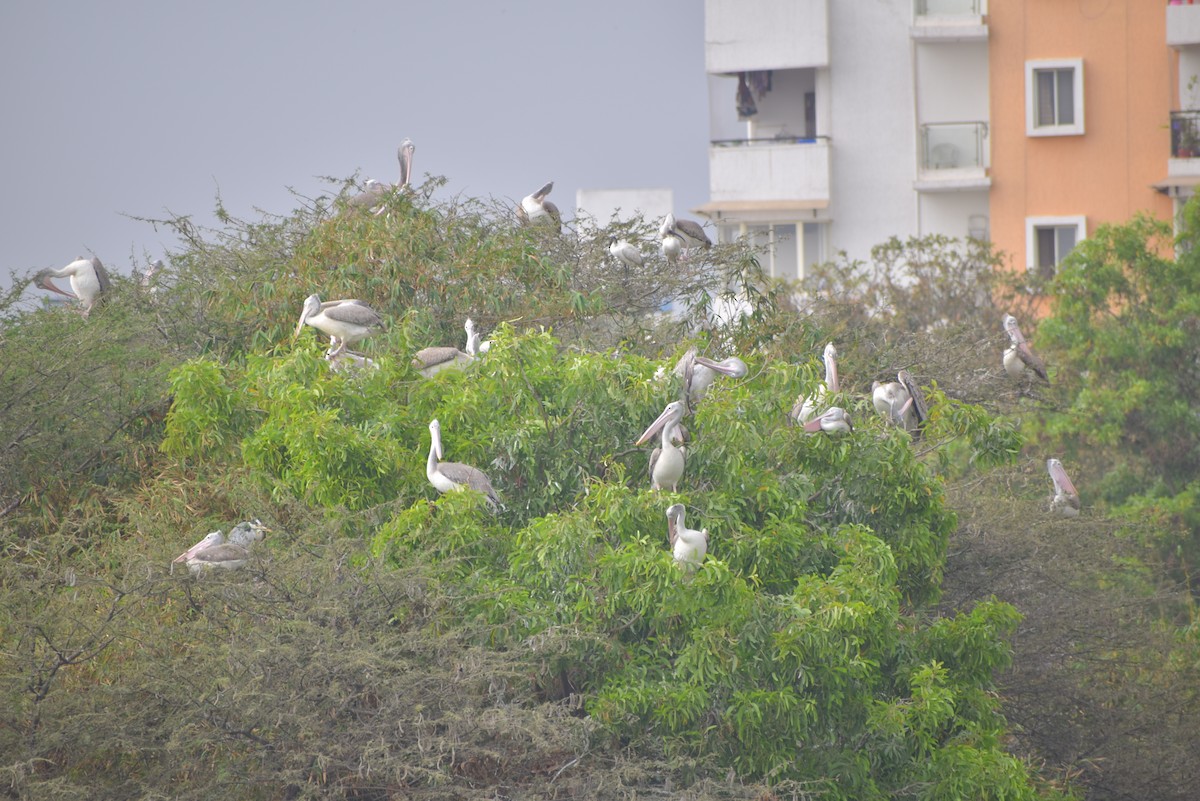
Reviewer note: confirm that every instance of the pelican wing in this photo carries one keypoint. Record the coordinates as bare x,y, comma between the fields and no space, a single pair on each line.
917,396
101,275
357,313
470,477
432,357
225,553
1030,360
693,230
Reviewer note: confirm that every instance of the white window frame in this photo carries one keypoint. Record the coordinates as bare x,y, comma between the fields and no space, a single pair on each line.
1032,224
1031,70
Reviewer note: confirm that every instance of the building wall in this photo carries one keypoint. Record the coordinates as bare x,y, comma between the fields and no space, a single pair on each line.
1105,173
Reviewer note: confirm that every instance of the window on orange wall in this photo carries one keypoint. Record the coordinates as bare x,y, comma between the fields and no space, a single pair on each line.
1048,240
1054,97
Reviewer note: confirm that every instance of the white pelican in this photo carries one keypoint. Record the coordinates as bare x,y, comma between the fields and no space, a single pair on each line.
452,476
806,408
345,321
405,154
833,420
625,252
687,544
536,209
1019,360
902,402
667,460
89,280
431,361
691,232
212,551
1065,501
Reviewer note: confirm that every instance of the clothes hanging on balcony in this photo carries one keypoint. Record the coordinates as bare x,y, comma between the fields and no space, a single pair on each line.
751,85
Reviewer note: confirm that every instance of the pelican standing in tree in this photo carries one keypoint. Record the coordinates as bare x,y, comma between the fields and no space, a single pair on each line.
806,408
698,373
214,552
405,154
89,280
372,195
672,247
431,361
667,460
901,402
452,476
690,232
536,209
625,252
1019,360
1065,501
833,420
687,544
345,321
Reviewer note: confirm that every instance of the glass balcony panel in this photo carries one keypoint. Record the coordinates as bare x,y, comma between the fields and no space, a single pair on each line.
953,146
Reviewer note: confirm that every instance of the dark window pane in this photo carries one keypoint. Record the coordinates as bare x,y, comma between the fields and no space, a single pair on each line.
1044,83
1045,252
1066,97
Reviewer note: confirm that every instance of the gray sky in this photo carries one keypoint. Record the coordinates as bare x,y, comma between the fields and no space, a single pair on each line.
139,107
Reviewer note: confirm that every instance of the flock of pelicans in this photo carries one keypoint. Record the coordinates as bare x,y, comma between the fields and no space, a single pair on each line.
348,322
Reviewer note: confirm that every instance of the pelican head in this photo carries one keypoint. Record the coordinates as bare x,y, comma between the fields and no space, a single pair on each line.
405,154
435,431
671,416
831,374
248,532
1013,329
312,305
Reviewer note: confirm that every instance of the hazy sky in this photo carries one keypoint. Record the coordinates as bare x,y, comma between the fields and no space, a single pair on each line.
132,107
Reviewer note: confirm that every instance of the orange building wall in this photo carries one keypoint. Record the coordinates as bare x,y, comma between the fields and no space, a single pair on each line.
1106,173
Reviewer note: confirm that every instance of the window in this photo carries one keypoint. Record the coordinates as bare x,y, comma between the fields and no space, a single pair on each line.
1048,240
1054,97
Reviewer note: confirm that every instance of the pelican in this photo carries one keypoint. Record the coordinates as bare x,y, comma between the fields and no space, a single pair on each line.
666,461
89,280
672,247
625,252
371,196
345,321
807,407
147,278
1066,500
691,232
212,551
348,360
452,476
833,420
699,372
687,544
902,402
405,154
1019,360
536,209
431,361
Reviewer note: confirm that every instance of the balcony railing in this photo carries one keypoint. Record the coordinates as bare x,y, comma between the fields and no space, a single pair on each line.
953,145
1185,134
947,8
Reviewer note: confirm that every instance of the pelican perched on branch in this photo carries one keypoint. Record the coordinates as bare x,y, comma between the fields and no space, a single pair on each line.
698,373
88,278
431,361
902,402
214,552
687,544
345,321
690,232
371,196
452,476
667,460
833,420
806,408
536,209
1065,501
1020,362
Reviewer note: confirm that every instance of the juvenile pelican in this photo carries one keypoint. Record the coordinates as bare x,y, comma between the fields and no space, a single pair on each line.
431,361
806,408
667,460
1019,360
345,321
89,280
452,476
535,208
213,552
625,252
405,154
833,420
1065,501
687,544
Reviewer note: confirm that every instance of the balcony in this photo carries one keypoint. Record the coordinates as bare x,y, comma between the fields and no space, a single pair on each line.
750,176
953,157
949,21
1185,144
750,35
1183,24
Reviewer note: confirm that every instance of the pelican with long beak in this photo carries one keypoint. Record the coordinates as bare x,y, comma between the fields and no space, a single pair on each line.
405,154
88,278
452,476
1065,501
214,552
431,361
833,420
345,321
699,372
687,544
667,460
901,402
536,209
806,408
1019,360
690,232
